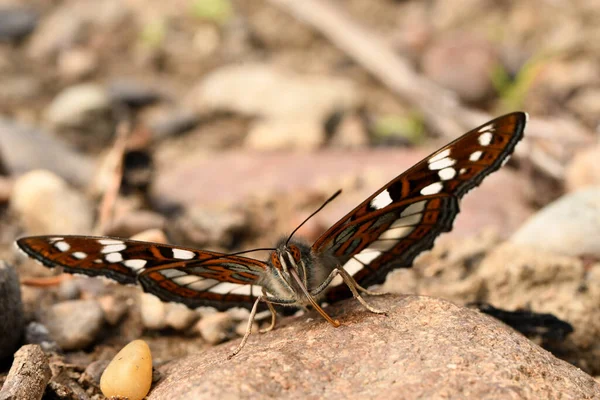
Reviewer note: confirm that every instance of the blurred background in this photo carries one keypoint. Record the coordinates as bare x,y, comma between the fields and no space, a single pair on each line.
222,124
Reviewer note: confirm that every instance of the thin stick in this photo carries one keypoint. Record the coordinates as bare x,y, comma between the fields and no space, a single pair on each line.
112,191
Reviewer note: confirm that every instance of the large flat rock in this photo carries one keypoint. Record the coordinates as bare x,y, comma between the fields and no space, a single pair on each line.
424,348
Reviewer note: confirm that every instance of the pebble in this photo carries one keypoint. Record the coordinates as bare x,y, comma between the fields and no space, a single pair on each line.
464,64
135,222
25,148
172,123
215,328
286,134
11,311
180,317
74,324
586,103
77,64
569,225
584,169
46,204
93,372
153,311
75,105
114,309
132,93
129,374
37,333
256,90
16,23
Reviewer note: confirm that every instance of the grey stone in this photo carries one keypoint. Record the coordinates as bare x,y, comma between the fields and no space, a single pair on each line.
75,324
11,311
569,225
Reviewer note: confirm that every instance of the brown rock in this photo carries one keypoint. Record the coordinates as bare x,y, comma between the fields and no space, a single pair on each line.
464,64
423,348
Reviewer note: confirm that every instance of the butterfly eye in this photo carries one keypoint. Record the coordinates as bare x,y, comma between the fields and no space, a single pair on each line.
275,260
295,251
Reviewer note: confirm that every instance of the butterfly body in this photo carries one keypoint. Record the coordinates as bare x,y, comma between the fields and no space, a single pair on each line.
386,231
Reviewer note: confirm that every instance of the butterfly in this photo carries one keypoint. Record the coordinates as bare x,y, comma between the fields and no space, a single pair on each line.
386,231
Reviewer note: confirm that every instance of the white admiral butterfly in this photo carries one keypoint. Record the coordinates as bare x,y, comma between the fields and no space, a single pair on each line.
387,231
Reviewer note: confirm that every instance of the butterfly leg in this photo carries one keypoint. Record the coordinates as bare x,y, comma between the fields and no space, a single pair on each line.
273,316
352,285
248,327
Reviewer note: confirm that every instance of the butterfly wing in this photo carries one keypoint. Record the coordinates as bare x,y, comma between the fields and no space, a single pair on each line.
192,277
403,218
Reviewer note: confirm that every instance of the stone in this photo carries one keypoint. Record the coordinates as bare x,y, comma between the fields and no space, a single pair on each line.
569,225
215,327
583,170
180,317
262,90
47,205
463,63
423,348
74,324
129,374
11,311
153,311
285,134
16,23
73,105
25,148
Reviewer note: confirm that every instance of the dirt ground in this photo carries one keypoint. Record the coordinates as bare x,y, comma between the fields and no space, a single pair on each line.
222,124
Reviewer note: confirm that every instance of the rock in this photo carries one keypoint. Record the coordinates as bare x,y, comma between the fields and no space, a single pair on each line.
24,148
129,374
16,23
151,235
462,63
261,90
93,372
74,324
285,134
114,308
77,64
350,134
569,225
69,289
68,25
135,222
28,375
180,317
517,276
216,327
586,104
198,225
83,114
36,333
172,122
11,311
513,277
423,348
47,205
73,106
153,311
583,170
133,94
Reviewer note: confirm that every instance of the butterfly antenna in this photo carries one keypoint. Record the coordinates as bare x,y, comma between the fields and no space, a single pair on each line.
251,250
329,200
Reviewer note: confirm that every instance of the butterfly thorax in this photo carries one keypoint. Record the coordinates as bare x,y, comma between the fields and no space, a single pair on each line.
289,258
